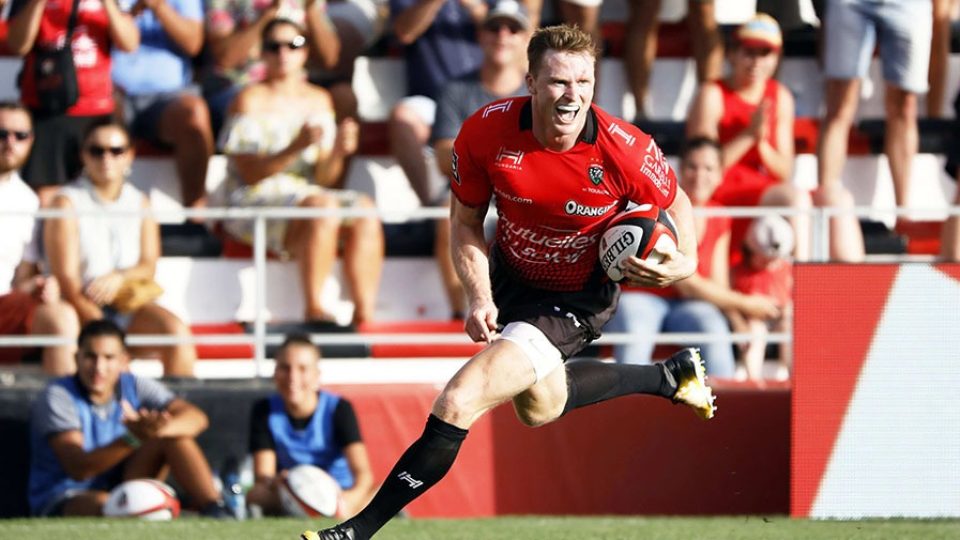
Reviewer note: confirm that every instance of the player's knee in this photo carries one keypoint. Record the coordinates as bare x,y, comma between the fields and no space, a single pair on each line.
455,406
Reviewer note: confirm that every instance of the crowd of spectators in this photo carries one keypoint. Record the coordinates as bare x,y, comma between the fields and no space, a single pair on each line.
268,84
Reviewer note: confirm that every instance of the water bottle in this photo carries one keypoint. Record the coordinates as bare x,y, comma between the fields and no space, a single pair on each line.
233,494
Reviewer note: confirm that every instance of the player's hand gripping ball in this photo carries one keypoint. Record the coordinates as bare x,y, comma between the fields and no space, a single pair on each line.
643,231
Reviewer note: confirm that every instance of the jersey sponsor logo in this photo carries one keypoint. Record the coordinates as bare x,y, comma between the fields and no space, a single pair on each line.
540,245
573,208
615,129
503,195
595,172
497,107
509,159
655,168
456,171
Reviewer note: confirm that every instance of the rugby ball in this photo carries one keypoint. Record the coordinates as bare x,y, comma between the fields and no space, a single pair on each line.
143,498
308,491
643,231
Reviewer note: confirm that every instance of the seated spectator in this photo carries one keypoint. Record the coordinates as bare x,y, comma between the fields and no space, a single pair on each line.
30,302
285,149
900,30
765,271
106,264
90,432
39,25
302,424
440,45
752,116
698,303
503,37
640,47
159,103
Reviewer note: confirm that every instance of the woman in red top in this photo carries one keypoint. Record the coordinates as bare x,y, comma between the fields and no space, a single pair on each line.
752,115
42,24
698,303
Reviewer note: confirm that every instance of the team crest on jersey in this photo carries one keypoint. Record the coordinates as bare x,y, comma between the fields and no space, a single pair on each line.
595,172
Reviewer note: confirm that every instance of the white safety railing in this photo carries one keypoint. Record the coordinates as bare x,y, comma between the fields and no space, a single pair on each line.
819,218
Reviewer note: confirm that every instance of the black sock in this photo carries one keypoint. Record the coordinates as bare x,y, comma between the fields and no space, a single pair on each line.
593,381
423,464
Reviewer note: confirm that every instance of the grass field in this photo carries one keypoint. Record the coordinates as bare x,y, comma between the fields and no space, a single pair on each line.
513,528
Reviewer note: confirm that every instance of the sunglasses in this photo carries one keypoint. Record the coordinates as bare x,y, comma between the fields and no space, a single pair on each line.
275,46
496,26
100,151
16,134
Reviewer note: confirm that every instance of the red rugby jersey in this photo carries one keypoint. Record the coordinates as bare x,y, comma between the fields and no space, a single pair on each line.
554,206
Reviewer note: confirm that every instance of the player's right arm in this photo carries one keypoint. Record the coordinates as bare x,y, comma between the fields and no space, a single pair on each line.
471,260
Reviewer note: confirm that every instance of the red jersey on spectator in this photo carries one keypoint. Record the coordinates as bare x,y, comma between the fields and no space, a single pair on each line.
775,281
745,181
91,55
554,206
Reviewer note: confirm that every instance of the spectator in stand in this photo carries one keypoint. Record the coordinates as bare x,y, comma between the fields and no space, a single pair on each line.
765,271
30,302
503,37
440,38
91,431
302,424
698,303
939,56
233,32
106,263
159,104
38,25
285,149
853,29
640,47
752,115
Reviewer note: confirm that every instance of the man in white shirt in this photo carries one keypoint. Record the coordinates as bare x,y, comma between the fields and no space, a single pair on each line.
30,302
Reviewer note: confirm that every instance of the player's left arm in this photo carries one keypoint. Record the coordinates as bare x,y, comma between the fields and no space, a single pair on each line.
675,266
779,160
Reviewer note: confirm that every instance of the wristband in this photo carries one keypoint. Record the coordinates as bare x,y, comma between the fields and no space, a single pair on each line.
131,440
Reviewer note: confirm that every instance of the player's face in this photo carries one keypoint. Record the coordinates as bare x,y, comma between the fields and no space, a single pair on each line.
296,374
107,155
100,361
700,174
16,137
503,42
562,91
284,51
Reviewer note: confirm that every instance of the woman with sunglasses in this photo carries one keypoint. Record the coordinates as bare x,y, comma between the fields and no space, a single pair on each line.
98,253
752,115
285,149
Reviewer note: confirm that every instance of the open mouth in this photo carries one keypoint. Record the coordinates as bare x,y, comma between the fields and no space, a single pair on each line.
567,113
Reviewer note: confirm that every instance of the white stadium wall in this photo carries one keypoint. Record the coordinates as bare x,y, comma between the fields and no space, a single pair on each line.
876,426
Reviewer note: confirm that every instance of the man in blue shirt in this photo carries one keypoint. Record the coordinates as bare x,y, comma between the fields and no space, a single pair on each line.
160,105
92,430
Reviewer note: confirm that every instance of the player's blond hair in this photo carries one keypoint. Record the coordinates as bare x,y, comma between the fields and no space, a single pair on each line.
562,38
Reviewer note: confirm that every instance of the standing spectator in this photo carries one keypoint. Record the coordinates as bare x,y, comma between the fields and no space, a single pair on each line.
752,115
900,30
29,302
765,271
939,56
285,149
640,48
106,263
698,303
503,38
302,424
159,104
91,431
42,25
233,32
440,38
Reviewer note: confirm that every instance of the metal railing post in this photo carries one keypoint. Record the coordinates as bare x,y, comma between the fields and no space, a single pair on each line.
260,293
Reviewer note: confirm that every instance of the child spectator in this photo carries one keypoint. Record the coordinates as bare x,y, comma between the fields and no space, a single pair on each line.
765,271
106,263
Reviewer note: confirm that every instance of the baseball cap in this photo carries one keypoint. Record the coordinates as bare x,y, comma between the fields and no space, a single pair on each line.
771,236
762,31
509,9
